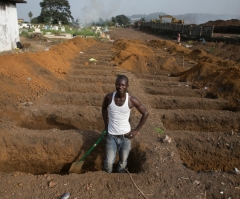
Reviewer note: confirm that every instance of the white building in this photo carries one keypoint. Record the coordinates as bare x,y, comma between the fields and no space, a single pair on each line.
9,33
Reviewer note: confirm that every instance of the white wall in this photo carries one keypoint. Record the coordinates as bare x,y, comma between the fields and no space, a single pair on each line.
9,33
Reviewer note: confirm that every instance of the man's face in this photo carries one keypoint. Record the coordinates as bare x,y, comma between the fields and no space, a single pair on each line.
121,85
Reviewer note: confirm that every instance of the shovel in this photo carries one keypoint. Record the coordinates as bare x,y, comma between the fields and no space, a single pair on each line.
77,166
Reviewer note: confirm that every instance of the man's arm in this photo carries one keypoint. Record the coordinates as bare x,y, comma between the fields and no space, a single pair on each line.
134,102
105,112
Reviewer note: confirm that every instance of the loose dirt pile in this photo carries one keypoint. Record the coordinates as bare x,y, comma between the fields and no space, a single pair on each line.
219,77
138,57
51,115
232,22
219,81
26,76
134,56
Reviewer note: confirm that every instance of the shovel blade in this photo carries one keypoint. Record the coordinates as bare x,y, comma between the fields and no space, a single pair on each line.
76,167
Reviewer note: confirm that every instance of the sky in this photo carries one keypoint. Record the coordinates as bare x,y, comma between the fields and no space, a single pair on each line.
90,10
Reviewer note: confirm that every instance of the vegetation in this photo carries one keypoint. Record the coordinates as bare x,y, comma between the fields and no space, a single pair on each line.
30,14
24,34
82,32
55,11
121,20
160,131
101,22
34,20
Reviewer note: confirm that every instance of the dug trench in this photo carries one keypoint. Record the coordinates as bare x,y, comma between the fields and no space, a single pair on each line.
46,134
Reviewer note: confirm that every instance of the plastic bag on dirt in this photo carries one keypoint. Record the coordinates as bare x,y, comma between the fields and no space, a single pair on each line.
92,59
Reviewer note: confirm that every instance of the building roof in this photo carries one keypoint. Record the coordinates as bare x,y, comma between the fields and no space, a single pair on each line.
17,1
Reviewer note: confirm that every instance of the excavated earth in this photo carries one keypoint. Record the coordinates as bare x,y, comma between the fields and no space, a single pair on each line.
51,115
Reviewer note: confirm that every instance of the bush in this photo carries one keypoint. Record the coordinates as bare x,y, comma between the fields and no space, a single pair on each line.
82,32
24,34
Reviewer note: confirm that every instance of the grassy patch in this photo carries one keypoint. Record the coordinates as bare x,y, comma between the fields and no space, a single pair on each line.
24,34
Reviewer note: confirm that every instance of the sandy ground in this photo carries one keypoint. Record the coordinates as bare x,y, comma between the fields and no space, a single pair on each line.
51,96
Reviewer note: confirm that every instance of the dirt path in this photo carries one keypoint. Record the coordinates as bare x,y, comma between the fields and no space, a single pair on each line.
41,137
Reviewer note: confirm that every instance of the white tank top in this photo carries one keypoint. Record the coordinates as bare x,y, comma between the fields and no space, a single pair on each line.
119,117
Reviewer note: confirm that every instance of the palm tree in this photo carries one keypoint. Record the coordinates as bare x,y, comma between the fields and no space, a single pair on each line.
30,14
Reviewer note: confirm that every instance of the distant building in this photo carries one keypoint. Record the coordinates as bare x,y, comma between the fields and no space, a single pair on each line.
9,33
20,20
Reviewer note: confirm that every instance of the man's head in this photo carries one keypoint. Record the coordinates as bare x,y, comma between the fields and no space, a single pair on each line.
121,84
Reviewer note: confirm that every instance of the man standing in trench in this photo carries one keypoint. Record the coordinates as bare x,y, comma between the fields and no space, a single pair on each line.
116,112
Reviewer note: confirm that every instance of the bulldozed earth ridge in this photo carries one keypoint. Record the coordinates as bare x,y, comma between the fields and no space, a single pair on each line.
51,115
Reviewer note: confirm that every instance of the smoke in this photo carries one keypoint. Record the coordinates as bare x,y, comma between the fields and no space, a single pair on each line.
96,9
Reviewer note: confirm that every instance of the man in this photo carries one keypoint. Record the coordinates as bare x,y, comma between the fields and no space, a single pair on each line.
178,38
115,112
202,40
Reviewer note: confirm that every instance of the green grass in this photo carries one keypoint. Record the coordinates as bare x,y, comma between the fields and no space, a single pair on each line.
82,32
160,131
52,31
24,34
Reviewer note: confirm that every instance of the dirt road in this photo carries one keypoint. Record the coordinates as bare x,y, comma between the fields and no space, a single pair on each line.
51,114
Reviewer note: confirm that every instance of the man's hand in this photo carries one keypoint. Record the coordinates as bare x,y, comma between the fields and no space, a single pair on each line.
132,134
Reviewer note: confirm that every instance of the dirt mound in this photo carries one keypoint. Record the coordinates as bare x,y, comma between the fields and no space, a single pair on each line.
220,81
197,53
202,56
218,75
28,75
160,43
180,50
231,22
136,56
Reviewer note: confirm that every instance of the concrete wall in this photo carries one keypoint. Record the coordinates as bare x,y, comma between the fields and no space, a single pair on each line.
9,33
187,31
227,29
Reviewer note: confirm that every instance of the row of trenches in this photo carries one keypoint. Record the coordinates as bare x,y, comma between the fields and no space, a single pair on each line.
58,135
209,151
205,129
66,123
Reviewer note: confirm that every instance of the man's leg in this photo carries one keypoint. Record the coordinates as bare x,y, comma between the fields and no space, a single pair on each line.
123,154
111,149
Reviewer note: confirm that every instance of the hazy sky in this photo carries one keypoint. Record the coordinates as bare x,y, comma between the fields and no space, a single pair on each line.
105,9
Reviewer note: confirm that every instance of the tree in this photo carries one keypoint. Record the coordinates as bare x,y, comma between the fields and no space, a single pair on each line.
109,23
100,22
34,20
122,20
30,14
75,24
113,20
55,11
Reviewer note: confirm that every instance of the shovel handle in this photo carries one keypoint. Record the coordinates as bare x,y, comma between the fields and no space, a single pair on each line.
93,146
